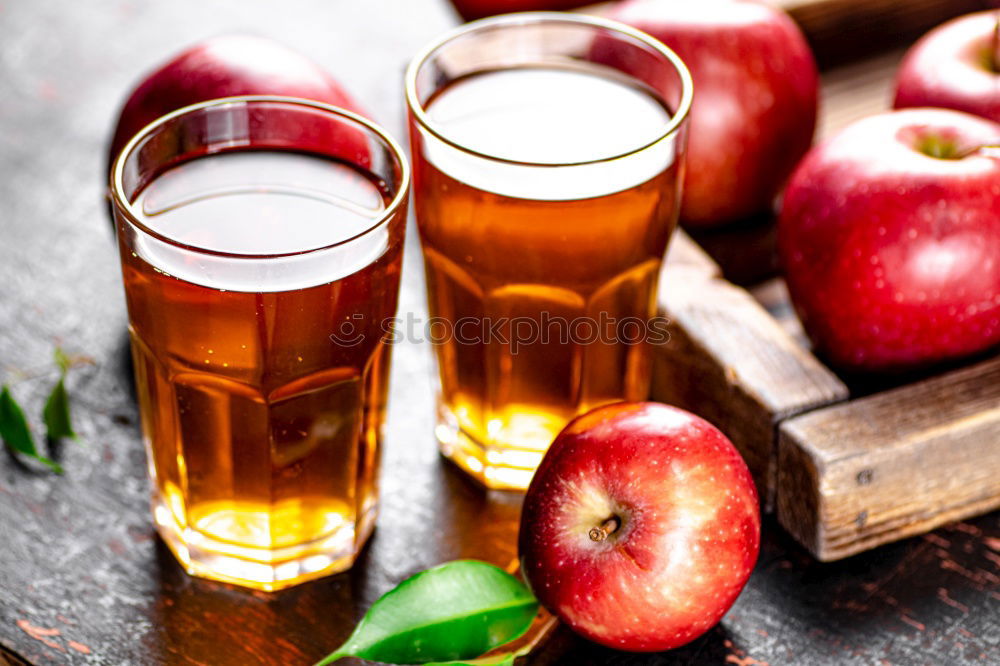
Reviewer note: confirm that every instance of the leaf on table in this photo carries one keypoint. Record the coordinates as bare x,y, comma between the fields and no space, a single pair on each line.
455,612
15,432
56,412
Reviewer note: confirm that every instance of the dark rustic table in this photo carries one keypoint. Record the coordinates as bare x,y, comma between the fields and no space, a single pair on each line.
83,579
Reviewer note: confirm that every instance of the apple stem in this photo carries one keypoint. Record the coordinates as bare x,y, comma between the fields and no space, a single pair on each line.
606,529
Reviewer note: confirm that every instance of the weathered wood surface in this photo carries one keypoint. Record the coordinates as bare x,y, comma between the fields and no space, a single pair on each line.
83,579
891,465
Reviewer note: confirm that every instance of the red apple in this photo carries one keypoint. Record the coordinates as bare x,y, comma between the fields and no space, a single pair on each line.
755,92
476,9
955,66
223,67
640,527
890,238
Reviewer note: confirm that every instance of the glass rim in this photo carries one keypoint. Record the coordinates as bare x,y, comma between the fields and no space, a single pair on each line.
419,114
124,206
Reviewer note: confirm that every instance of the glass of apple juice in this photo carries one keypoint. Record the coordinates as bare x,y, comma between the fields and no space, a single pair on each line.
260,242
547,152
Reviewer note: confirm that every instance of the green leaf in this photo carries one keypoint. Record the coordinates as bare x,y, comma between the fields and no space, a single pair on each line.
15,432
56,413
453,612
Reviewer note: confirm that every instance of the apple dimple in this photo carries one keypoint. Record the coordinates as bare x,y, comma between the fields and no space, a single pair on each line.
591,517
943,143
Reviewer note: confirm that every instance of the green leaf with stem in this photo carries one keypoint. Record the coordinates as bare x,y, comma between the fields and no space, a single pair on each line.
452,613
15,432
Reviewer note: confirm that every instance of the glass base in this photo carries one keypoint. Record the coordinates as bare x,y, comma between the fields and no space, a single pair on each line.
260,568
495,465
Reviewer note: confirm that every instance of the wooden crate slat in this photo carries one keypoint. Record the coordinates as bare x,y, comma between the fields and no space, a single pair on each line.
732,363
895,464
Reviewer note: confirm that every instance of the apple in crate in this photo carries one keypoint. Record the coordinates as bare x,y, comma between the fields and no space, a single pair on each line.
890,239
640,527
755,99
955,66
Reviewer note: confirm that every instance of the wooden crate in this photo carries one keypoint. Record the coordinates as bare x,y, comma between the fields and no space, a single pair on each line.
731,362
844,474
845,468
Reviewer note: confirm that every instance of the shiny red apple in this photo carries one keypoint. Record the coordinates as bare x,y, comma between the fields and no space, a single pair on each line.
755,99
640,527
223,67
476,9
955,66
890,239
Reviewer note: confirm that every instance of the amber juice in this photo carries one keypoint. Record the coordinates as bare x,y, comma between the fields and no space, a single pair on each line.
262,430
522,238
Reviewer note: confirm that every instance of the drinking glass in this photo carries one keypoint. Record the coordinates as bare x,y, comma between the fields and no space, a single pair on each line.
547,152
260,242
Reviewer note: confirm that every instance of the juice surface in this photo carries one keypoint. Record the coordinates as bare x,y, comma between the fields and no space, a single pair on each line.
548,115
